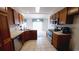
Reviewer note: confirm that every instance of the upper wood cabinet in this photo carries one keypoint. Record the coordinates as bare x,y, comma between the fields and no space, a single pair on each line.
16,18
3,9
57,15
72,10
4,26
63,16
21,18
10,16
53,17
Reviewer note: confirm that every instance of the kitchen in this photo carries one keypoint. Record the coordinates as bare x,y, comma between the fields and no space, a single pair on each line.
14,33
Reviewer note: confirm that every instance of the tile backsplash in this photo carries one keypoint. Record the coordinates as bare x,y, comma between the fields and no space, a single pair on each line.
14,28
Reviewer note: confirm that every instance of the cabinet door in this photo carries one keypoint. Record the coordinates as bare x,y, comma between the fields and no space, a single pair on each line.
63,16
8,45
72,10
10,16
0,37
53,17
16,18
4,29
25,36
20,18
3,9
33,34
55,38
22,38
57,15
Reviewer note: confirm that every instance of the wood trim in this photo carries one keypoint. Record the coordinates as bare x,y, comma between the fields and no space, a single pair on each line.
72,10
7,40
3,14
3,9
0,45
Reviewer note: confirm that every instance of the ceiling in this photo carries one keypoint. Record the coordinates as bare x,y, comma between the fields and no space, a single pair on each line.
43,10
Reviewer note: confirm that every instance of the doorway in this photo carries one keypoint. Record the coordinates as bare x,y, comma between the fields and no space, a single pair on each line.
38,25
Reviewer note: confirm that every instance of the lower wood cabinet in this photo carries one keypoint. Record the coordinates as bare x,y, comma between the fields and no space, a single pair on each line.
0,46
24,36
28,35
33,34
7,45
61,41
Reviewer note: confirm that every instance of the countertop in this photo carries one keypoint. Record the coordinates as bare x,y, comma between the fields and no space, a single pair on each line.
15,34
60,33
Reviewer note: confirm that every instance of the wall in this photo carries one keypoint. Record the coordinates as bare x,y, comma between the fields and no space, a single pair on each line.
45,24
75,37
29,23
50,25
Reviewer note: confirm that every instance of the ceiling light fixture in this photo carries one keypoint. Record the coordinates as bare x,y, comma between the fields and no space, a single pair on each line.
37,9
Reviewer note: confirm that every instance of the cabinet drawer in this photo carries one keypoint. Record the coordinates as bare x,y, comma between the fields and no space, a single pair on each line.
55,43
55,36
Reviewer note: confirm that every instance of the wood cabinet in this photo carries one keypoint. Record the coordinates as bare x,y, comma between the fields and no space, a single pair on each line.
53,17
66,15
16,17
3,9
63,16
0,44
57,15
21,18
4,26
4,30
7,46
25,36
10,16
72,10
28,35
33,34
0,37
61,41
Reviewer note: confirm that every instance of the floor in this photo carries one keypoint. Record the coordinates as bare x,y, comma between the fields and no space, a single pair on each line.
41,44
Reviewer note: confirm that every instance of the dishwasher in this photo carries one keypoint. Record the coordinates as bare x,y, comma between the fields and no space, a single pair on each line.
17,43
